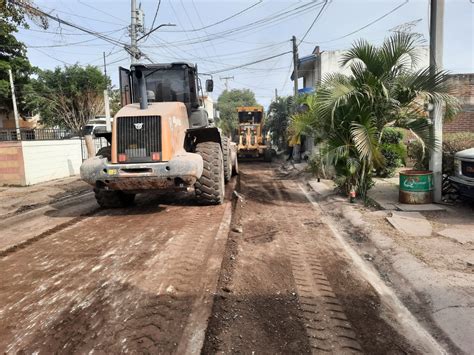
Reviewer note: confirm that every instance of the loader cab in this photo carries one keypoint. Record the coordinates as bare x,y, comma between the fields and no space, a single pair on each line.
174,82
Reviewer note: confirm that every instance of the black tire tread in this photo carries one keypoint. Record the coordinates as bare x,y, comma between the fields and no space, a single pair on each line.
209,187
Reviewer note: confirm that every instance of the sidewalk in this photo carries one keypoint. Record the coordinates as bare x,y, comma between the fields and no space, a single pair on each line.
426,256
15,200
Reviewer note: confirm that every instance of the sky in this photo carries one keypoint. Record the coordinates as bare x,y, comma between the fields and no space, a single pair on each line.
221,35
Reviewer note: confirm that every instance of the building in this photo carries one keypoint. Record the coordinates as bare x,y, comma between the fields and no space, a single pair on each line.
7,121
314,67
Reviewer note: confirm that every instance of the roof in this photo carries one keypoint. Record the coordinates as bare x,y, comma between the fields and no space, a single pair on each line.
249,108
162,65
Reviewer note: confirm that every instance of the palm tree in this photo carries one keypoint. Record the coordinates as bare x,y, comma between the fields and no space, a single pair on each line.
278,119
382,91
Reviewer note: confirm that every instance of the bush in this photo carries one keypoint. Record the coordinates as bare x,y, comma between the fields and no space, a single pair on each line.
393,151
452,143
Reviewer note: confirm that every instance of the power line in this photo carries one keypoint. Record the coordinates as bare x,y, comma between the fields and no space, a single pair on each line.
247,64
221,21
365,26
79,16
270,20
67,23
101,11
315,20
154,18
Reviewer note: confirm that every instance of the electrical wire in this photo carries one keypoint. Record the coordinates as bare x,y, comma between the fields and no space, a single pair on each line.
247,64
67,23
314,22
221,21
101,11
154,19
268,21
365,26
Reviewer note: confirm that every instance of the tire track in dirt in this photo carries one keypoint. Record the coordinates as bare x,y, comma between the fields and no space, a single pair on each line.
326,323
286,286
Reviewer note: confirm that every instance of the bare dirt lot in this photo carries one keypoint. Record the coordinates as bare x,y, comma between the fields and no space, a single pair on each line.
167,276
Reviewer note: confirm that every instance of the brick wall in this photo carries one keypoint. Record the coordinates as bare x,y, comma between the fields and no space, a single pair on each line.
463,89
12,171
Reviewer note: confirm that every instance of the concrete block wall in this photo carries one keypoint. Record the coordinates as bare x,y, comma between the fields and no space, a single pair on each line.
49,160
12,170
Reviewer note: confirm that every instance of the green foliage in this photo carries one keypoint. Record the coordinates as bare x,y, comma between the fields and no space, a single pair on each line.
69,96
352,113
12,56
114,99
452,143
394,152
278,119
227,104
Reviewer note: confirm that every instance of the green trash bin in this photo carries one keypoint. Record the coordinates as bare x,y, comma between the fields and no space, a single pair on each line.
416,187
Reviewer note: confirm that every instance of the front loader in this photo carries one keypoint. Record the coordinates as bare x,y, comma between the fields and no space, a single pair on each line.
161,139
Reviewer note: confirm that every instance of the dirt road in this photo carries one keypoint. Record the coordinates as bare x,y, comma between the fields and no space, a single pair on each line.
116,281
166,276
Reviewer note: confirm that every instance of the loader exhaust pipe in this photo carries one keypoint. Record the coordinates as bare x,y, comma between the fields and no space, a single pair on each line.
142,89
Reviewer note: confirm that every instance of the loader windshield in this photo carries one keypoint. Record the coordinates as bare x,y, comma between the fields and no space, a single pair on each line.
165,85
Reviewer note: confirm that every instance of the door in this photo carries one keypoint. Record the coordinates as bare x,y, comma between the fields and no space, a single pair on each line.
125,86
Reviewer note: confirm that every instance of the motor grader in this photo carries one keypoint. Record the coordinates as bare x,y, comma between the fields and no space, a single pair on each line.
251,141
161,139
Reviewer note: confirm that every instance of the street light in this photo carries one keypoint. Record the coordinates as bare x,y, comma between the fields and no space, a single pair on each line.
157,27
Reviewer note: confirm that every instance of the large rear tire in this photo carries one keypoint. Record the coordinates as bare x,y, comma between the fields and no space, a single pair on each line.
113,199
209,188
227,158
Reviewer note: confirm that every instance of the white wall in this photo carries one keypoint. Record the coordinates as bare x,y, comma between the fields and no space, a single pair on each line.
48,160
330,61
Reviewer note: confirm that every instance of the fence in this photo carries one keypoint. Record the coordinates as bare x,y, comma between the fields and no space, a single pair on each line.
99,142
50,134
42,134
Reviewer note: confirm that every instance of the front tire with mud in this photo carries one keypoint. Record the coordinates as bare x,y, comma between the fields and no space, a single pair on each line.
113,199
209,188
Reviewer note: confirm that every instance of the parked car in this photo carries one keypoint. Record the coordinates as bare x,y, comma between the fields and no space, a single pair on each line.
463,178
95,125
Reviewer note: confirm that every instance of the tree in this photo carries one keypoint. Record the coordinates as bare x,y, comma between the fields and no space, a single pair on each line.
278,119
114,99
13,56
69,96
353,112
227,104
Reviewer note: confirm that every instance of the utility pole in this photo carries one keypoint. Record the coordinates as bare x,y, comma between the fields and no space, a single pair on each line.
276,94
227,78
436,64
133,32
295,66
108,123
15,109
